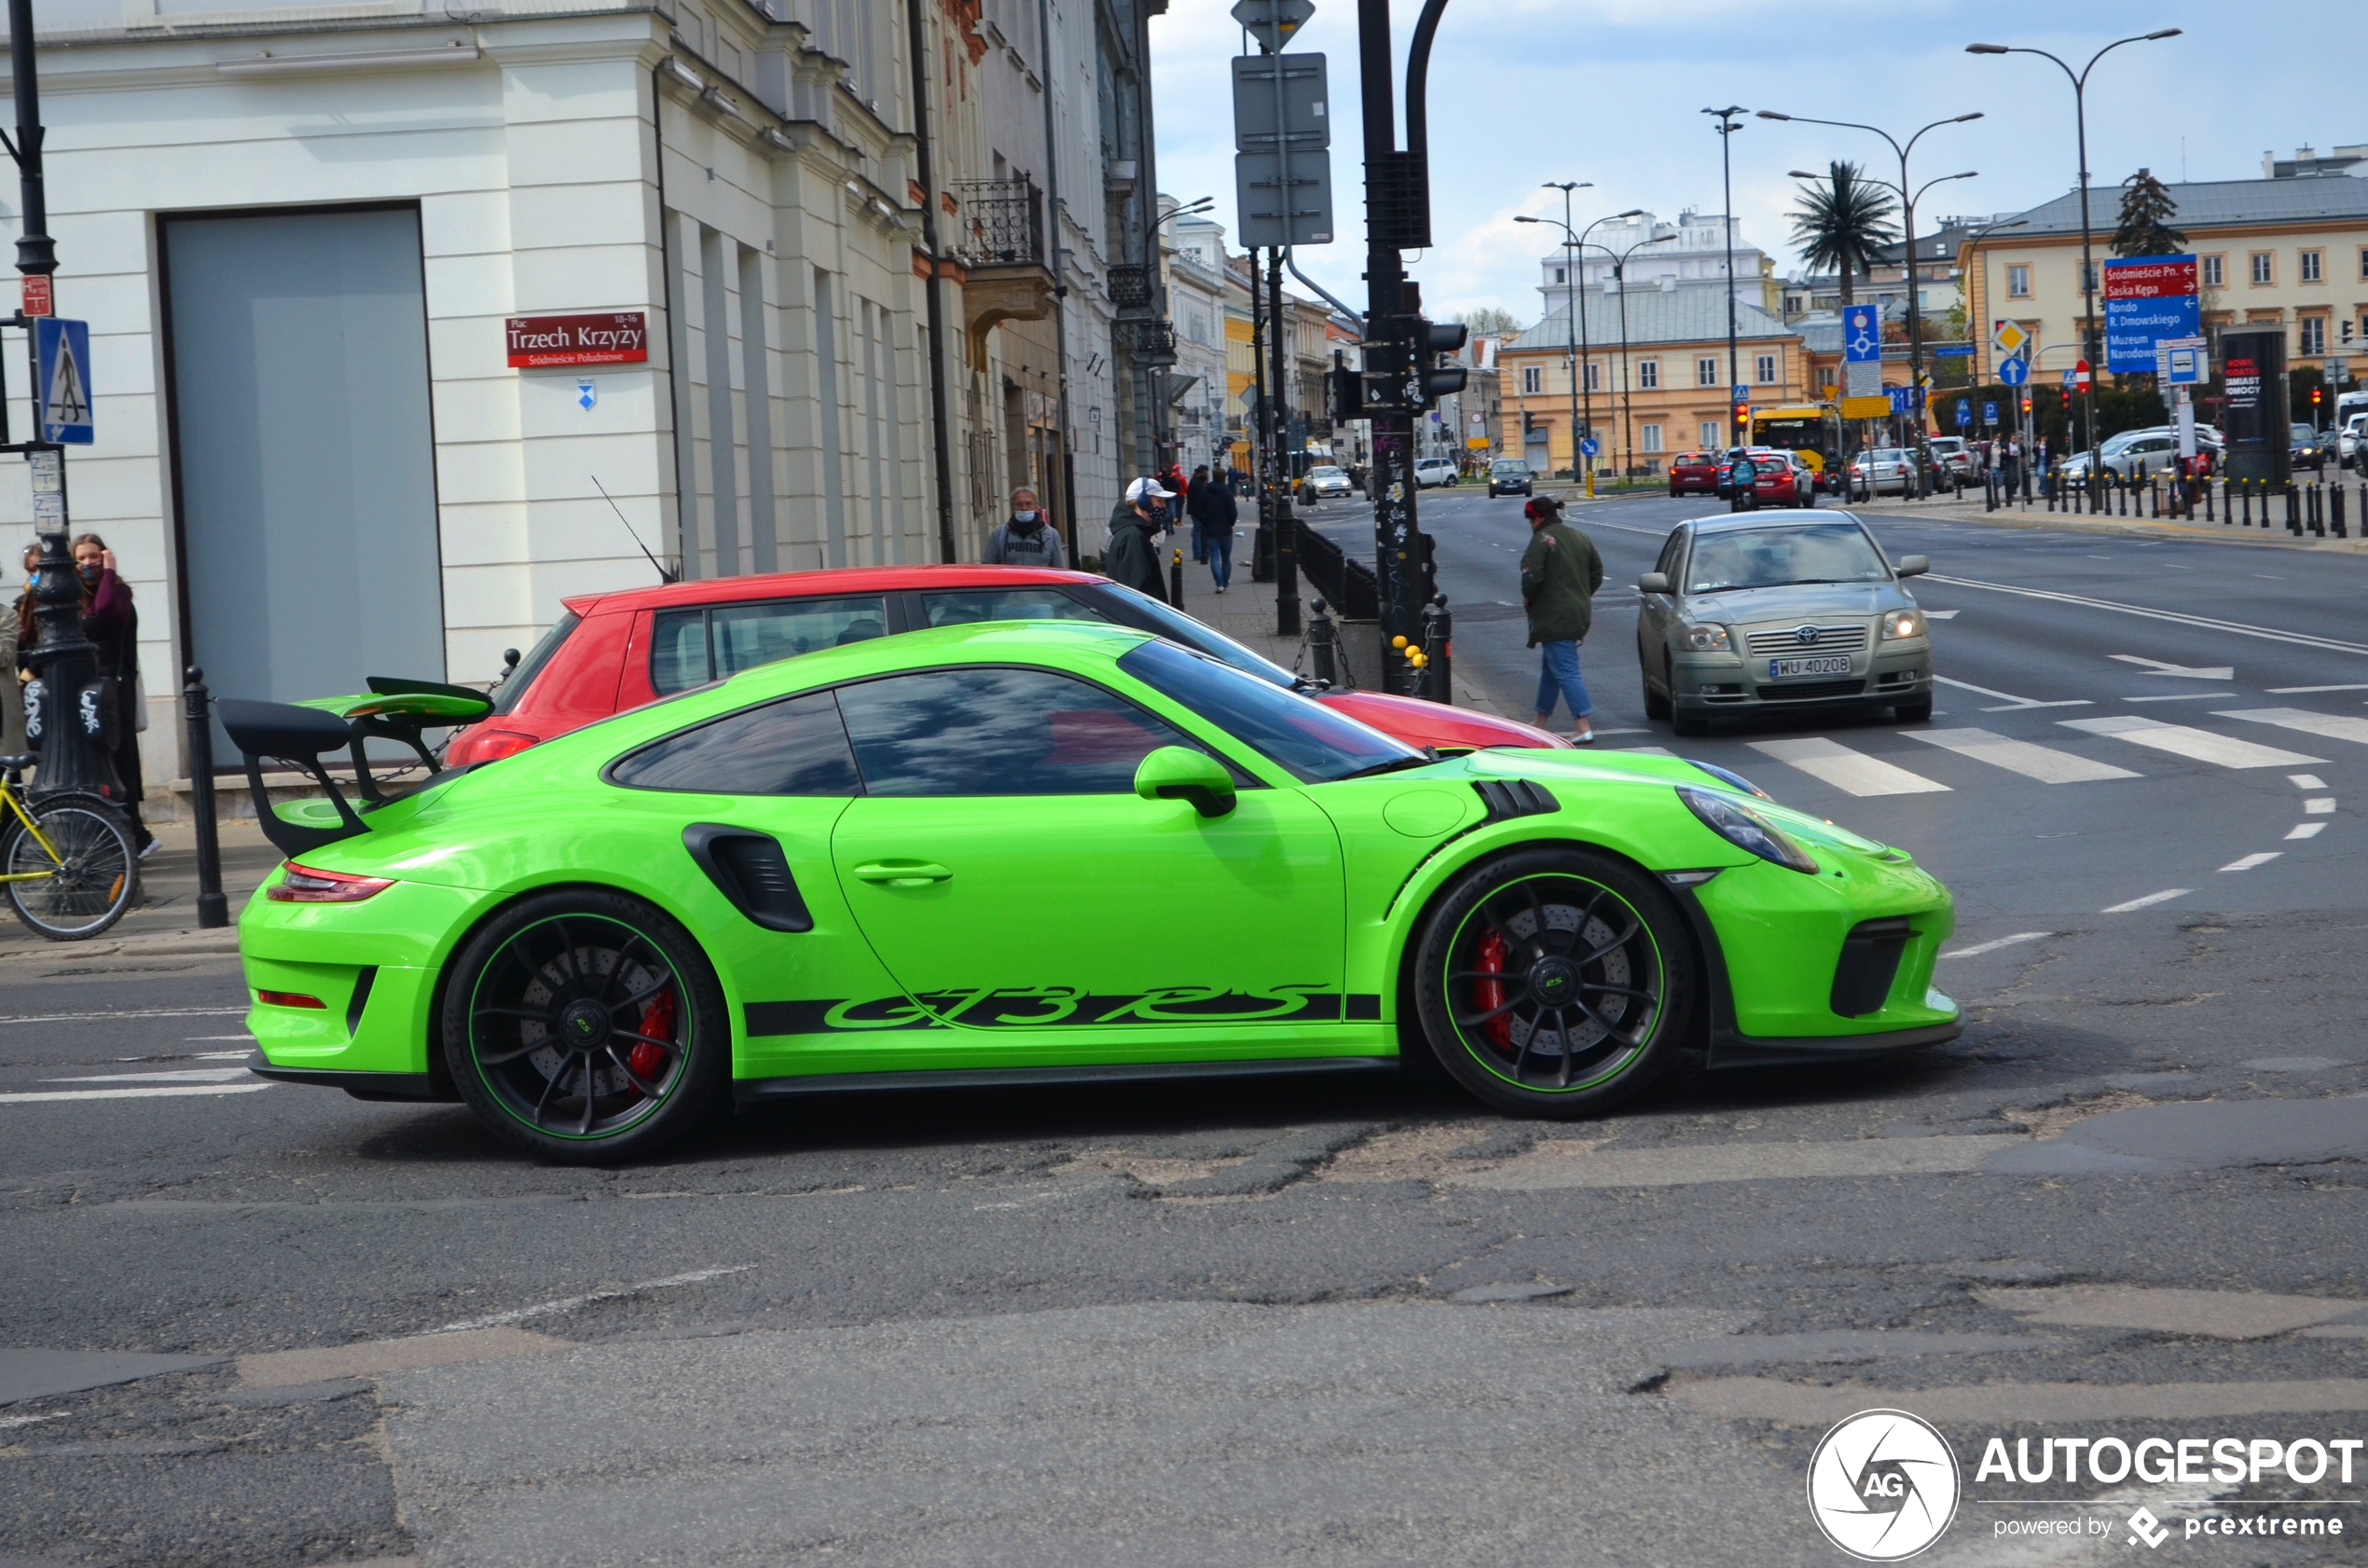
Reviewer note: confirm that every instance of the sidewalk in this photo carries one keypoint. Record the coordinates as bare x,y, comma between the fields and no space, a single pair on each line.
165,921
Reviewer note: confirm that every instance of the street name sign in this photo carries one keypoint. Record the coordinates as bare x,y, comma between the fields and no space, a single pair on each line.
1951,350
62,353
548,342
2147,298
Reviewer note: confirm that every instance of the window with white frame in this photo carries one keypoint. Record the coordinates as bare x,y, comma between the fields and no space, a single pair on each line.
2018,280
1711,435
2265,267
2216,269
1595,376
1706,372
1650,435
2314,337
2313,266
1533,379
1648,374
1764,370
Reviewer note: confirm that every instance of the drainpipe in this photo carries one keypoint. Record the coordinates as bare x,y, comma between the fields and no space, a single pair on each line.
935,326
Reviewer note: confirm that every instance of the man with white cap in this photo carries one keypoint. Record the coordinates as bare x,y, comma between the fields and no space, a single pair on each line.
1132,560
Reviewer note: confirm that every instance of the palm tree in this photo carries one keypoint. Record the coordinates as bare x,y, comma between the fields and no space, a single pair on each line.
1842,223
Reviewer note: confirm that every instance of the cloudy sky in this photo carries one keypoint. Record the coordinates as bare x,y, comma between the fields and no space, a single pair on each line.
1525,92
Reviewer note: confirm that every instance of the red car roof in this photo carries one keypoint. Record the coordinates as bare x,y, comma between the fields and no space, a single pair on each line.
837,580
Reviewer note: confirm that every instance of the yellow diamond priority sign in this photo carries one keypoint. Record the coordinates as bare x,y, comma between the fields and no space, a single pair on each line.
2007,339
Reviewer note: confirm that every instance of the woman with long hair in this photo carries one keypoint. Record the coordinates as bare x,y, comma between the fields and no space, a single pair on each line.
112,623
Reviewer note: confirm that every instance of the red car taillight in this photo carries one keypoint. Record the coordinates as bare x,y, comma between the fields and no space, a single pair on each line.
304,884
289,998
489,746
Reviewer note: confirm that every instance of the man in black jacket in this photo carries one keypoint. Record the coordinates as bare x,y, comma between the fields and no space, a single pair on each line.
1214,517
1132,560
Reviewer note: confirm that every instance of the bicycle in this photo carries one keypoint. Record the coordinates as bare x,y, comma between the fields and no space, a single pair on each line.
67,860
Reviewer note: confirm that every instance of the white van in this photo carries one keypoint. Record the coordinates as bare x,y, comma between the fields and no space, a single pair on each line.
1434,471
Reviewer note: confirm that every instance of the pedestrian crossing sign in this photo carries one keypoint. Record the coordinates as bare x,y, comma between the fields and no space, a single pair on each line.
62,358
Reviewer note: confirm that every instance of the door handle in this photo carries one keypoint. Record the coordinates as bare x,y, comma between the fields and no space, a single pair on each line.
902,873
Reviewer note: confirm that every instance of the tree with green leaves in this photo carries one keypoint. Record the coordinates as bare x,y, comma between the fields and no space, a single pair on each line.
1490,321
2144,225
1842,223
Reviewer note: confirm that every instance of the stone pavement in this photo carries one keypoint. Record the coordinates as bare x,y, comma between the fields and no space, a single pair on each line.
165,921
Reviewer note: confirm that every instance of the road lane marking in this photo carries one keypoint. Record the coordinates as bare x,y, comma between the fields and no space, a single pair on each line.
1940,615
1550,1167
2297,691
175,1074
1852,772
2334,726
2300,640
2009,698
133,1012
1993,945
2322,806
2260,858
2306,781
2043,763
2190,673
546,1309
143,1094
2307,830
2150,899
2179,740
2183,697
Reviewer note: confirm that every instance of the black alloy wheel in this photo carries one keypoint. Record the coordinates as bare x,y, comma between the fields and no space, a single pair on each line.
1555,982
585,1026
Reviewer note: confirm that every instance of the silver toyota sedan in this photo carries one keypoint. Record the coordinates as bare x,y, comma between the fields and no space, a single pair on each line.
1746,614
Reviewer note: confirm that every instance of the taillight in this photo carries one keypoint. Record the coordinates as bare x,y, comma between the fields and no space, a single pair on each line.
493,745
304,884
289,998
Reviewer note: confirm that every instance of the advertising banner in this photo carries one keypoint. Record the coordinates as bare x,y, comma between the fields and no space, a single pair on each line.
2147,298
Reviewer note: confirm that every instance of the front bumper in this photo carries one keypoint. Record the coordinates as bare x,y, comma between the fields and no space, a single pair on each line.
1705,685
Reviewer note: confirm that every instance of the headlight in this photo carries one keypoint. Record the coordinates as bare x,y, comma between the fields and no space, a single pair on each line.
1730,779
1903,622
1744,828
1706,640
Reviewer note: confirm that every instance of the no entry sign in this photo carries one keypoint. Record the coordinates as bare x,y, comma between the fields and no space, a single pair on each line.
545,342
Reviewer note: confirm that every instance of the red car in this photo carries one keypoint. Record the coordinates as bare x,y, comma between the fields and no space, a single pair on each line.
1692,472
612,651
1783,479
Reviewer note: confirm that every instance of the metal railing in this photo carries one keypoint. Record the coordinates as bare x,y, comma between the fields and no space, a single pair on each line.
1001,223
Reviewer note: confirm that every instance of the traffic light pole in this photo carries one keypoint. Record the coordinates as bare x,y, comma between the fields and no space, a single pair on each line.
1403,564
1279,488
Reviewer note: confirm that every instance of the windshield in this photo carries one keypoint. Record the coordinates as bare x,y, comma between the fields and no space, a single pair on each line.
1326,474
514,685
1888,454
1315,744
1772,557
1196,634
2303,432
1512,467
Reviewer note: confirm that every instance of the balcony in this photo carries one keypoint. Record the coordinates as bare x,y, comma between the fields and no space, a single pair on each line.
999,241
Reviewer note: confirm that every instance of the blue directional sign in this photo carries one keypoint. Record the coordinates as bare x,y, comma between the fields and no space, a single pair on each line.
1988,412
1590,447
2014,370
1964,413
1862,334
1903,399
63,351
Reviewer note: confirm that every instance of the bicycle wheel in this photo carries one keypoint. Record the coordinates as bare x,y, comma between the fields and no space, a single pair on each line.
85,878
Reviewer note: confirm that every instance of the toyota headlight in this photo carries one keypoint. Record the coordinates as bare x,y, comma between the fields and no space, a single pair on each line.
1747,829
1706,640
1903,622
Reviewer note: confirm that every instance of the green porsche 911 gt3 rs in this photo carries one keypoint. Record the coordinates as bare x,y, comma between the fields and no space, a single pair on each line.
1032,852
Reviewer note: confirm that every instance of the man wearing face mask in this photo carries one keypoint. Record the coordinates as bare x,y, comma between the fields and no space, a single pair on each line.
1028,538
1136,528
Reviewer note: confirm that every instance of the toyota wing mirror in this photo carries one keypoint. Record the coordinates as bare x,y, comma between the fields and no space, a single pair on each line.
1912,566
1653,583
1173,773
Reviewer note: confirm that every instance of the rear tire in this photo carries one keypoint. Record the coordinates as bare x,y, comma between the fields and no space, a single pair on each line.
1656,707
1555,982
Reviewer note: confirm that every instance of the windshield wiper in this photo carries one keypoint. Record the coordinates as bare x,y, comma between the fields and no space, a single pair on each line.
1394,765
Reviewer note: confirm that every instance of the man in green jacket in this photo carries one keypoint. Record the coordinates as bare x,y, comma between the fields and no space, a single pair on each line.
1560,574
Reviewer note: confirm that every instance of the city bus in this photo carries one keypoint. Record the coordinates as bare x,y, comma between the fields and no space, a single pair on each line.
1807,428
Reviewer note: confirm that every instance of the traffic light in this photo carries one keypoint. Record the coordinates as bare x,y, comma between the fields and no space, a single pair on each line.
1743,414
2026,403
2317,394
1436,338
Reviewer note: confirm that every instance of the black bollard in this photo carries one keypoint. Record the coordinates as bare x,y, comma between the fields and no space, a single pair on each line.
213,909
2335,509
1322,650
1439,652
1175,578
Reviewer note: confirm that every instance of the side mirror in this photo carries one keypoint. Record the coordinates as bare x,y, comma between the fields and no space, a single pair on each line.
1178,773
1912,566
1653,583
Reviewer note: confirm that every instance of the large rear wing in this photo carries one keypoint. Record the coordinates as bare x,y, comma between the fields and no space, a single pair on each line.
299,734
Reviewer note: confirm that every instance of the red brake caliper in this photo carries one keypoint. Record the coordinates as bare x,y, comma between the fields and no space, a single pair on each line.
1489,993
657,1021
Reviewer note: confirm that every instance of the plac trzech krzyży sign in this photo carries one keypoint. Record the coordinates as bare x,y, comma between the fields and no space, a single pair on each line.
546,342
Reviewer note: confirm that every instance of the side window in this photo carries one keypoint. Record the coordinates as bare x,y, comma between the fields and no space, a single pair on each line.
691,647
993,731
960,608
797,747
1671,553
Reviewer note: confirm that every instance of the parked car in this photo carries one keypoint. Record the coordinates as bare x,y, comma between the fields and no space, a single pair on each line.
1759,454
1950,454
1434,471
613,652
2136,453
1745,615
1883,468
2308,448
1509,476
1784,480
1325,483
1694,474
2347,440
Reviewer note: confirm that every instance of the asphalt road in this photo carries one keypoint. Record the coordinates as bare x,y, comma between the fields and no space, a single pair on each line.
1351,1324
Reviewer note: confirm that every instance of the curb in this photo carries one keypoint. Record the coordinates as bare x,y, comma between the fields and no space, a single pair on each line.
158,944
2223,533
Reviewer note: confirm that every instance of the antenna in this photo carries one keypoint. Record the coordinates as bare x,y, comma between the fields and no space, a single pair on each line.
664,575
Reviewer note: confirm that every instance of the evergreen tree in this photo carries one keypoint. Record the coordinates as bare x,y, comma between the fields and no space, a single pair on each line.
2146,210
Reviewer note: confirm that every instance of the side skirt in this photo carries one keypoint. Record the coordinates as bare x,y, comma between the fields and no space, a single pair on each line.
749,1091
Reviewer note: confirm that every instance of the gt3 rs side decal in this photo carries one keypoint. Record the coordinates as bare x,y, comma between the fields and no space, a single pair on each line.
1047,1006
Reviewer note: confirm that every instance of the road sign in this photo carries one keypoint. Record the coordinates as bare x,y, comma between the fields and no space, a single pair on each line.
1862,334
1874,407
2182,362
1951,350
1964,413
547,342
2338,371
1281,121
2147,298
1590,447
1741,394
2067,377
1274,214
38,300
2007,339
1988,412
1904,400
2079,376
1298,115
64,349
2014,370
1272,22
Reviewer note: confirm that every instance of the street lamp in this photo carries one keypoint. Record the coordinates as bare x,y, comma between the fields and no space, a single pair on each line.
1973,244
1727,126
1620,276
1566,187
1575,299
2087,269
1915,308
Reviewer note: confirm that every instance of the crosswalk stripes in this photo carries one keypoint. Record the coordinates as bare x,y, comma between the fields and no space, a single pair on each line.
2182,740
1851,772
2043,763
2334,726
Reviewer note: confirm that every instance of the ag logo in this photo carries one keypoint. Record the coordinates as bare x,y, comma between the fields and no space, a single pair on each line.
1882,1485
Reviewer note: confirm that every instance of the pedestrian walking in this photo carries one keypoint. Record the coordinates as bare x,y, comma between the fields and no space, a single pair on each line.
1216,522
2012,464
1193,490
1560,574
1132,560
1027,537
112,623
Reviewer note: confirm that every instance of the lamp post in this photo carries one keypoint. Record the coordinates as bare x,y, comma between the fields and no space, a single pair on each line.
1570,273
1627,403
1577,300
1907,224
1973,244
1727,126
2087,267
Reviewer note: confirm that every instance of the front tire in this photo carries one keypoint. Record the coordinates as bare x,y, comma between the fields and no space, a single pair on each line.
83,879
1555,982
585,1026
1656,707
1913,712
